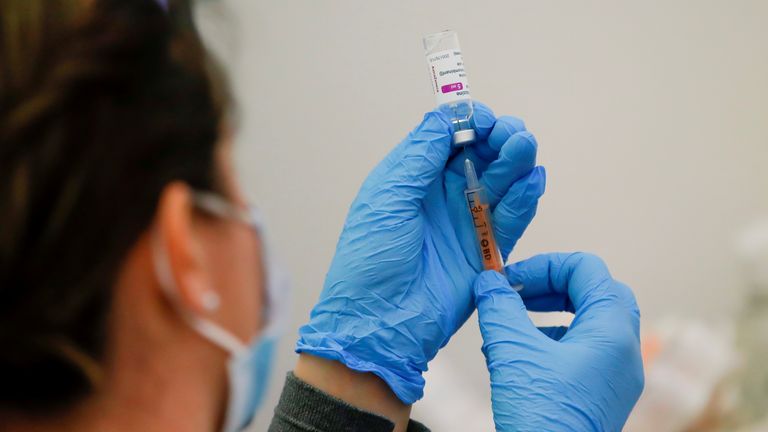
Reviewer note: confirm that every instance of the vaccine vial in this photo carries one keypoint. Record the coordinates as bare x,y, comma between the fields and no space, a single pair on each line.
449,83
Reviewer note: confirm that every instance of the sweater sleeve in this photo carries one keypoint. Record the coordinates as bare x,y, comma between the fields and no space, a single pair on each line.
303,407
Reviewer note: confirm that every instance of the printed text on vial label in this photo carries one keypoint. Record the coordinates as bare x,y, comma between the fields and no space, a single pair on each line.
449,79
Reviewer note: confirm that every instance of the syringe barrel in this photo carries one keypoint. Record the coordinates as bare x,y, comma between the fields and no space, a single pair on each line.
450,86
480,211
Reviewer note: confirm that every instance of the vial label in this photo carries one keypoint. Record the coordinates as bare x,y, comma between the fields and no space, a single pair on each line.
449,79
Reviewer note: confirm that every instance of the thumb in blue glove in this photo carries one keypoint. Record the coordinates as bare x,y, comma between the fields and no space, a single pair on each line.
586,377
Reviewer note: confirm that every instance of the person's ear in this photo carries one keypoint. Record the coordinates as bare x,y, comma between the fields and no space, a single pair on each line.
175,223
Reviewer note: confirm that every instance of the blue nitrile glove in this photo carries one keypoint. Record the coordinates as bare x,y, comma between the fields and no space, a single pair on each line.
400,284
583,378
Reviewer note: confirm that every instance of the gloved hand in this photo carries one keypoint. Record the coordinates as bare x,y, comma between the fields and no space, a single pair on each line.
400,284
586,377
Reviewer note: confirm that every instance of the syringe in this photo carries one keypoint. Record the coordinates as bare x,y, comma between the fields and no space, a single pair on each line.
480,211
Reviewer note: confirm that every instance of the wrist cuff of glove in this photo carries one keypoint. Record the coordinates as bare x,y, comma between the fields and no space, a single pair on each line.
407,386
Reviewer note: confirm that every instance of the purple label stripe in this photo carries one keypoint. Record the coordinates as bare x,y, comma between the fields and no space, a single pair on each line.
452,87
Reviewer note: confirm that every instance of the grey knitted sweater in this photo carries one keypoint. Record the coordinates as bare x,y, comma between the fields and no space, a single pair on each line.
303,408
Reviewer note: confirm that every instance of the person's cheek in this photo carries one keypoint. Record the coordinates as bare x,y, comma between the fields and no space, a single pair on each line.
255,283
247,284
237,274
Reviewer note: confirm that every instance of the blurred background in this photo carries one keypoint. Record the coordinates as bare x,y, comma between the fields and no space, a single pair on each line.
652,122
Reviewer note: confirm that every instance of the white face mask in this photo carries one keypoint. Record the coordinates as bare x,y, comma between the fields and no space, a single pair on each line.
248,367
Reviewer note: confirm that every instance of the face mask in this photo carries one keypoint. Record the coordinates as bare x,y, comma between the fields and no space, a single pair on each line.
248,367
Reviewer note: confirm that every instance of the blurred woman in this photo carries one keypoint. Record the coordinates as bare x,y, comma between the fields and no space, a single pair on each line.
137,291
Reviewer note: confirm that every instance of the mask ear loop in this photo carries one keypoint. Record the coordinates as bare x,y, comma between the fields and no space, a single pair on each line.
206,328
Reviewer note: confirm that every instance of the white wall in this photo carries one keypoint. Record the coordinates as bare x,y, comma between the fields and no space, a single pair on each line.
651,117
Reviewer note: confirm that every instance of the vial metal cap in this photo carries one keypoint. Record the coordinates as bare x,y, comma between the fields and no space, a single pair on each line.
463,137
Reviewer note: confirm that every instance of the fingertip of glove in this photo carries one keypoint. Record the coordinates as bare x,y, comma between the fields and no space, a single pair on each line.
538,178
483,109
526,142
437,122
484,120
509,125
523,195
490,280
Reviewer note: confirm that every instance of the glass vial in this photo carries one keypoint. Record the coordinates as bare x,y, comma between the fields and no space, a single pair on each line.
449,83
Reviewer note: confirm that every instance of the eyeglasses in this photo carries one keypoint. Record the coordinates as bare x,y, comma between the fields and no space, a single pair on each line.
219,206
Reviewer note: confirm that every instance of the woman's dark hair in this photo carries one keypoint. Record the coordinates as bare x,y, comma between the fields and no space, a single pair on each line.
102,104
